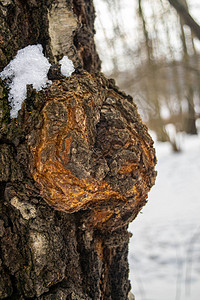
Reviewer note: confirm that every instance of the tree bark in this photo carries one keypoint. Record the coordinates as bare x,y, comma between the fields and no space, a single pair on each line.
76,164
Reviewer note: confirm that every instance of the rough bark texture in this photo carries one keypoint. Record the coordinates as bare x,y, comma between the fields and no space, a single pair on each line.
76,165
62,27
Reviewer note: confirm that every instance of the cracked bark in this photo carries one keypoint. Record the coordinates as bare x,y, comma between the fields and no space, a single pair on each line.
76,165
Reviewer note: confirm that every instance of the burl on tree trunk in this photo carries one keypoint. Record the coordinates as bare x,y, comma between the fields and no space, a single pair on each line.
76,164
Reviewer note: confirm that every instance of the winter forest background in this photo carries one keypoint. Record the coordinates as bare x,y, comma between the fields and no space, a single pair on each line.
154,56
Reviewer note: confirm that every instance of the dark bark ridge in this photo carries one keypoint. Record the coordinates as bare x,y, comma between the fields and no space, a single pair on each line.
84,36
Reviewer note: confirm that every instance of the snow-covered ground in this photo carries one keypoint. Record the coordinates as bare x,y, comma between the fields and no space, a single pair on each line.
164,252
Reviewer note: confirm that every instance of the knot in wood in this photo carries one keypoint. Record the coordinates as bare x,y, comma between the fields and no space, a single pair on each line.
93,152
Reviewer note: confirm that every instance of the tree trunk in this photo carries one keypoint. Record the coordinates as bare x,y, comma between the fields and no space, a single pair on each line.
185,15
190,121
153,86
76,164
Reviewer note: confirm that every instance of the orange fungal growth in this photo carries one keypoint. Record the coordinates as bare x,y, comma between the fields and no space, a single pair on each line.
93,152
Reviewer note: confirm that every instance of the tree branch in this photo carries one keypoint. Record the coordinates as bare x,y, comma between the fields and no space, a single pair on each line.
183,12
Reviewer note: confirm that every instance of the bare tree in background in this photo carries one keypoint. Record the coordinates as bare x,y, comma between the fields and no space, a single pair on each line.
157,67
190,126
152,89
182,9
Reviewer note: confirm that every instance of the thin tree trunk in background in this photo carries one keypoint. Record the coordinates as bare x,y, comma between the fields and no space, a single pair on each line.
190,122
76,164
184,14
175,74
196,74
153,93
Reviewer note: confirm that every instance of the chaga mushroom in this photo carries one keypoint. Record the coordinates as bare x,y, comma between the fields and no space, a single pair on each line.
92,152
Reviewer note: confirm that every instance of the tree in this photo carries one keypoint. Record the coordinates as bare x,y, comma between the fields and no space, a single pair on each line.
76,164
152,93
163,77
184,13
190,126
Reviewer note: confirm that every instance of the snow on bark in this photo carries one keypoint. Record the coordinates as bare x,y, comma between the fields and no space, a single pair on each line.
29,66
67,67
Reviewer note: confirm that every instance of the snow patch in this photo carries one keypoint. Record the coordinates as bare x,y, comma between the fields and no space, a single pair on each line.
164,250
29,66
67,67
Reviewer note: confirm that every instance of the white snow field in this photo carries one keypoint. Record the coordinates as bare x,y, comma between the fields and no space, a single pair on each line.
164,252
